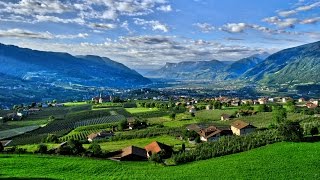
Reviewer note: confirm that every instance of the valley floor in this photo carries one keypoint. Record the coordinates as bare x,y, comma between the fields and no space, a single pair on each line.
277,161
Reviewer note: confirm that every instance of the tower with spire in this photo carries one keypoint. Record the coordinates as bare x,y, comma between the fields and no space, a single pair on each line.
100,99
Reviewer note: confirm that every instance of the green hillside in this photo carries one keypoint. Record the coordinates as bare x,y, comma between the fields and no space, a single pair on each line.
290,66
277,161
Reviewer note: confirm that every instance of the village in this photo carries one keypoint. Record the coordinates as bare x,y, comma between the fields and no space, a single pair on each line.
168,126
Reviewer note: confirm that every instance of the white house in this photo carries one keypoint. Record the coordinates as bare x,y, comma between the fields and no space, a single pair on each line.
240,128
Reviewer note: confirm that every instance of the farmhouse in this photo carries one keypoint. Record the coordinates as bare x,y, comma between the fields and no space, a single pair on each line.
157,147
235,103
301,100
225,117
314,101
192,109
213,133
262,100
137,125
13,117
100,135
286,99
130,153
311,105
240,128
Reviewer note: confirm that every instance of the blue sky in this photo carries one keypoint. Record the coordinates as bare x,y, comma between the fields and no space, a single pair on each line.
145,34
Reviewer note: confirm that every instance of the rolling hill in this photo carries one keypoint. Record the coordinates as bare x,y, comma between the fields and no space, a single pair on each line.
28,75
297,65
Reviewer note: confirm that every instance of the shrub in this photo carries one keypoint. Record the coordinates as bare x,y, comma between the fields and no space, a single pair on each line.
1,147
156,158
51,138
95,150
314,131
291,131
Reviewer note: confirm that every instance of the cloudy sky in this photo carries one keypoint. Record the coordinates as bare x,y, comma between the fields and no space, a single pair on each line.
146,34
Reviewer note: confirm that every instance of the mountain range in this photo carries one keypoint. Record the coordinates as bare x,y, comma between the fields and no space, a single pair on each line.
207,70
297,65
29,75
53,67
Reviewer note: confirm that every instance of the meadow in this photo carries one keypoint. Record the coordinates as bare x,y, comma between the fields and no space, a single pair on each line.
277,161
140,110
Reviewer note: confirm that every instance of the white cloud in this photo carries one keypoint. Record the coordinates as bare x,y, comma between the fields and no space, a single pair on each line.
155,25
234,27
241,27
310,20
205,27
153,50
282,23
43,18
165,8
42,7
299,9
21,33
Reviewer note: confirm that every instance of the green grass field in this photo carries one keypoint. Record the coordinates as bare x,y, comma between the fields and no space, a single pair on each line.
116,145
277,161
141,110
68,104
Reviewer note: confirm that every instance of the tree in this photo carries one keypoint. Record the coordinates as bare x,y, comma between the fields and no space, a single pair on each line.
279,114
42,149
263,108
51,118
33,104
51,138
172,116
95,149
291,131
291,106
122,125
76,147
1,147
217,105
314,131
183,147
192,114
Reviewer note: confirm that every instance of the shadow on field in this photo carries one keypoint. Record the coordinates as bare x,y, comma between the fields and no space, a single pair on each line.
25,178
5,157
311,139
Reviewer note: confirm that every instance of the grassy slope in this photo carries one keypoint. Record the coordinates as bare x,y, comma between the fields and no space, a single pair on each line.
141,110
277,161
116,145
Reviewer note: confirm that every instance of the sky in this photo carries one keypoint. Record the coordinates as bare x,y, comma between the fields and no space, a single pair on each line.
145,34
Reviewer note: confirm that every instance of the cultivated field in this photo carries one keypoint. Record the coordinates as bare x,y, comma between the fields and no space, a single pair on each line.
277,161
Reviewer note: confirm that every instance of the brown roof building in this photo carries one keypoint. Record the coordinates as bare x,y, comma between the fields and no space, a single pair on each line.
100,135
240,128
157,147
213,133
130,153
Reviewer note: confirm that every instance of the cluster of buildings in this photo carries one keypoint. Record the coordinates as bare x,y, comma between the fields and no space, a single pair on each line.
213,133
101,99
